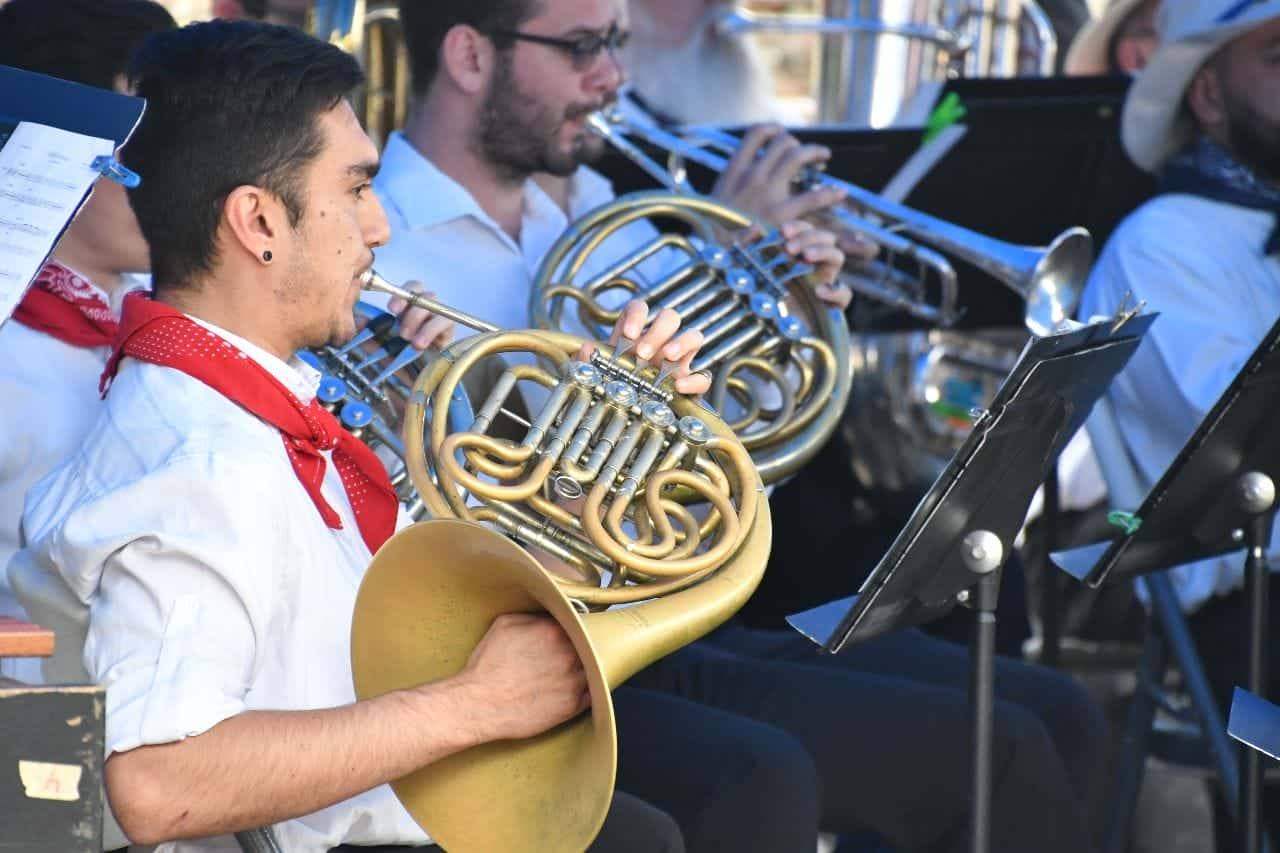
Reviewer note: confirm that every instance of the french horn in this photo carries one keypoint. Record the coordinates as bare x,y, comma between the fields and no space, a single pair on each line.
366,384
605,480
778,354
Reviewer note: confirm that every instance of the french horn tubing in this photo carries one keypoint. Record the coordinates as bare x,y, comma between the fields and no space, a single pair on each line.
604,481
366,384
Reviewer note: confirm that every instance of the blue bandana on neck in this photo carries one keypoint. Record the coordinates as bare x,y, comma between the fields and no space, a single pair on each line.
1206,169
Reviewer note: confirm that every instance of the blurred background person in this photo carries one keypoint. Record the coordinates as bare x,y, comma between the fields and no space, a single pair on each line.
1120,41
683,70
234,10
290,12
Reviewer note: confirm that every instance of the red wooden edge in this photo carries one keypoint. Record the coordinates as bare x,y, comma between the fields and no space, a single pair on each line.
23,639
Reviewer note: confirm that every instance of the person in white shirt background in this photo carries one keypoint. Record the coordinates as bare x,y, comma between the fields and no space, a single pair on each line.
500,90
53,349
1204,115
217,521
683,71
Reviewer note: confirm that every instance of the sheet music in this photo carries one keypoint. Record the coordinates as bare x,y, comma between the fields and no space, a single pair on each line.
44,174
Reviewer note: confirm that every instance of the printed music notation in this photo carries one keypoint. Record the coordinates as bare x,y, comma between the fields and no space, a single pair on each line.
44,174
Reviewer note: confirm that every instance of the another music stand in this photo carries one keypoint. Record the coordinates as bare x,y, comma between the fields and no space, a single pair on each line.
1218,496
959,536
1255,722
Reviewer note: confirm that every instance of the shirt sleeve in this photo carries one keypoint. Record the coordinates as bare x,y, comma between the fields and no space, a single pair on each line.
187,556
1190,354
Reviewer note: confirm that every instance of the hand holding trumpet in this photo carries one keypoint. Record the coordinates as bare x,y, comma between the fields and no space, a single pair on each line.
761,179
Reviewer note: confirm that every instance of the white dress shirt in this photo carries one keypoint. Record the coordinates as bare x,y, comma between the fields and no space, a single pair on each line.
1200,264
441,236
50,389
214,585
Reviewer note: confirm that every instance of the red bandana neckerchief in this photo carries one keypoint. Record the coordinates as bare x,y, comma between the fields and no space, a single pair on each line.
63,304
153,332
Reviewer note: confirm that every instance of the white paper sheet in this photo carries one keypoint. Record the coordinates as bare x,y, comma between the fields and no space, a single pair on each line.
44,174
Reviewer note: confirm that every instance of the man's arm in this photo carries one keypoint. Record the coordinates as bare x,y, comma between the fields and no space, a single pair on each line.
261,767
187,585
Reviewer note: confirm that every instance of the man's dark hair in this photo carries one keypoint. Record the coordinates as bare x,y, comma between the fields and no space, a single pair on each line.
86,41
229,104
426,22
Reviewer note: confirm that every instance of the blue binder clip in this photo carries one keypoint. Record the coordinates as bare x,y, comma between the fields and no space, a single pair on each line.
110,167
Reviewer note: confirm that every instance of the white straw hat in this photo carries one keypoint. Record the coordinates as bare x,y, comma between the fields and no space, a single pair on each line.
1089,49
1154,126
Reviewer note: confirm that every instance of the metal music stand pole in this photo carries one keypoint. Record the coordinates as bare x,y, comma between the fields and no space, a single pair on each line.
953,546
1257,497
983,555
1216,497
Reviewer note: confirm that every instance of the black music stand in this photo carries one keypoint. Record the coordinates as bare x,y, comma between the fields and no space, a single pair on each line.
1218,496
959,536
1255,722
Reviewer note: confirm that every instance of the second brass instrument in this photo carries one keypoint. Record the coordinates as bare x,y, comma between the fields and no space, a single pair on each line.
778,354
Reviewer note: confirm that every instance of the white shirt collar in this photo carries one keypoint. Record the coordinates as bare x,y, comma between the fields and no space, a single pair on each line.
300,378
422,194
129,282
588,189
425,196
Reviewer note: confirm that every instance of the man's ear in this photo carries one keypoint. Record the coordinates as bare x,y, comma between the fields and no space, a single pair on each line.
467,58
254,221
1206,98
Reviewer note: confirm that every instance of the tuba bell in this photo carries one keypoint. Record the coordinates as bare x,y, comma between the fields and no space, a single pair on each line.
370,31
779,355
611,437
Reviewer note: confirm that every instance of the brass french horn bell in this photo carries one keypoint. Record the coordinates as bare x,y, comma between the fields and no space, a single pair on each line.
634,453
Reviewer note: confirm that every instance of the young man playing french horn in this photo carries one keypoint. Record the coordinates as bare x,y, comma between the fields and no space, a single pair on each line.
217,521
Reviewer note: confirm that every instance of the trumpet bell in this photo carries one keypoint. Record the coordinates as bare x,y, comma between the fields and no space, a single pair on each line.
417,620
1056,280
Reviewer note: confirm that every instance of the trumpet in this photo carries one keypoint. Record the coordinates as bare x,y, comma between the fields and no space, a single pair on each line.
614,439
1049,279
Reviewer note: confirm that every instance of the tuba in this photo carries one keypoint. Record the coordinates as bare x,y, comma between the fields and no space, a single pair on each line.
370,31
609,436
779,356
878,58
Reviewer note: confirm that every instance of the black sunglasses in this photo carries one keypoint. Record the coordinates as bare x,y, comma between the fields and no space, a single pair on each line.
583,50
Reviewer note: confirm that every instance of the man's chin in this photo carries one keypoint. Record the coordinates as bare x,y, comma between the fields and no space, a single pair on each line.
342,334
586,149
